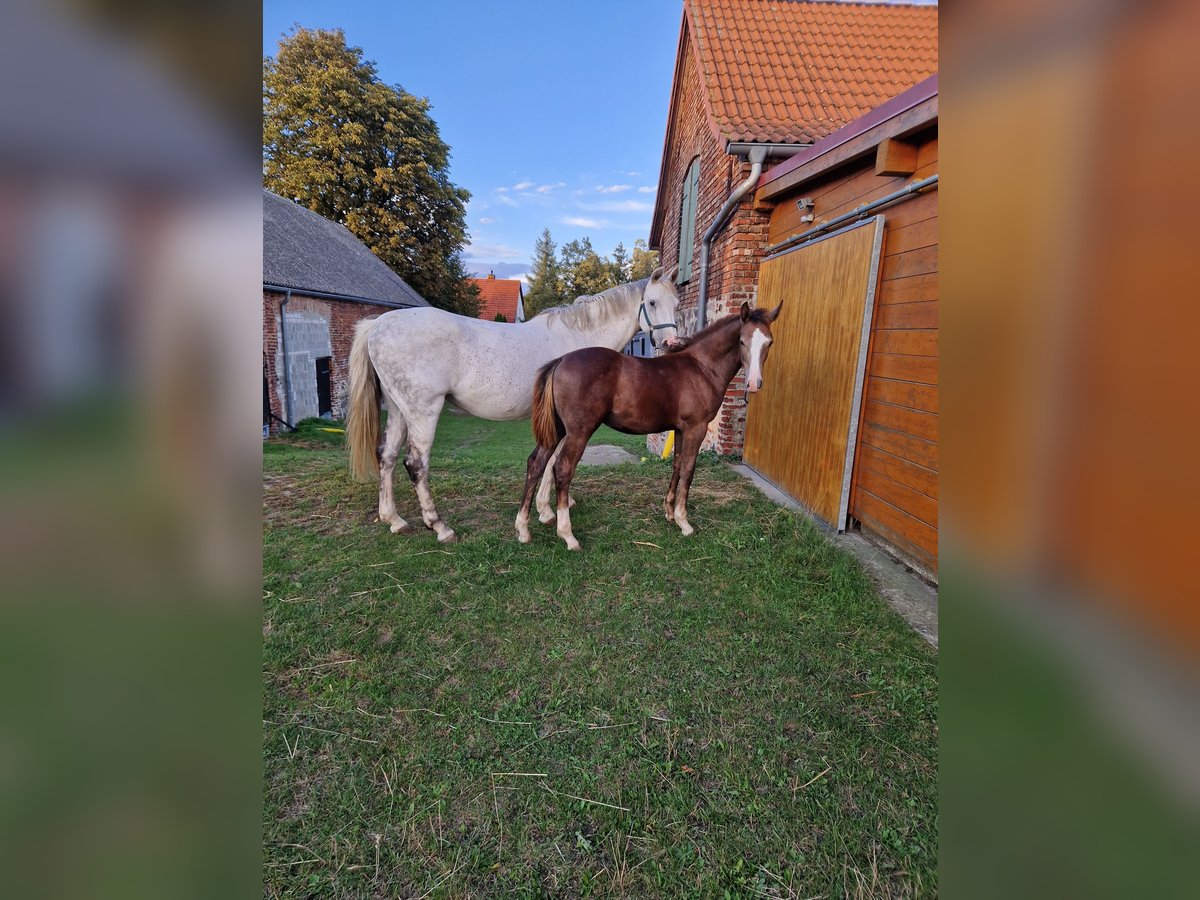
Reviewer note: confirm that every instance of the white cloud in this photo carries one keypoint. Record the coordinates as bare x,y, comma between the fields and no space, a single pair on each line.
581,222
491,252
522,186
501,190
648,189
486,220
613,188
506,200
547,188
618,206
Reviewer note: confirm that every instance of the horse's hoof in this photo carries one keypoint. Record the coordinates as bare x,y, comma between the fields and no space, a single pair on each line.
570,503
448,538
524,538
403,528
575,547
547,518
687,530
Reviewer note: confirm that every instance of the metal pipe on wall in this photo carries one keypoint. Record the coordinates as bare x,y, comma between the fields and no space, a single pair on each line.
756,155
287,375
866,209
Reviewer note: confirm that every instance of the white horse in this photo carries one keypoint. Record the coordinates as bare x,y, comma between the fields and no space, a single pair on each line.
419,357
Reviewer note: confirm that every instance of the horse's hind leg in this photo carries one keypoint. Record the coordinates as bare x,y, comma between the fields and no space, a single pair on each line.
546,513
538,464
389,452
564,470
421,430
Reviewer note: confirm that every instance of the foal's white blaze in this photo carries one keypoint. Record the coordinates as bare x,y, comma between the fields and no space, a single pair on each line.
758,343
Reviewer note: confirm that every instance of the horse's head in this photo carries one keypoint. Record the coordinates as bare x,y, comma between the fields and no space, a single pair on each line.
756,340
656,315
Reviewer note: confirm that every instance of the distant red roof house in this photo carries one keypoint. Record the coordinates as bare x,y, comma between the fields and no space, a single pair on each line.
500,296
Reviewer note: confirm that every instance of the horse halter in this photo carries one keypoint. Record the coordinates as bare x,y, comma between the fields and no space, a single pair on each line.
643,314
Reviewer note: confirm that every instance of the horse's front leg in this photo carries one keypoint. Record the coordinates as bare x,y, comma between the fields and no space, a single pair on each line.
546,513
389,453
416,461
692,440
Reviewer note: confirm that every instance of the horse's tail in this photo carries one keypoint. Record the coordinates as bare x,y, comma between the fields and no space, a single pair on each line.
362,422
546,425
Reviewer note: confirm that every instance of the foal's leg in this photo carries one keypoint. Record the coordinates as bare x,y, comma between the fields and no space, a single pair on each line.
538,464
546,512
564,470
389,452
421,430
692,440
669,502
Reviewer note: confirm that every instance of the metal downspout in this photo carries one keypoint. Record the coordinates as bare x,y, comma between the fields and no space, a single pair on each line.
756,155
287,375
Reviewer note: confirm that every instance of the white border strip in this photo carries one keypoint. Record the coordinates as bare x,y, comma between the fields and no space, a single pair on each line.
860,375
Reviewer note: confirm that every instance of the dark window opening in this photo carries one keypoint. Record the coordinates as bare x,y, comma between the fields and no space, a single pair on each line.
324,387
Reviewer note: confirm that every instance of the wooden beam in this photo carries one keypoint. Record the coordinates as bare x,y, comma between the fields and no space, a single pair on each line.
855,148
895,157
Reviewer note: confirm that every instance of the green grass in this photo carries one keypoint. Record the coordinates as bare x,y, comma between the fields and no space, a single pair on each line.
732,714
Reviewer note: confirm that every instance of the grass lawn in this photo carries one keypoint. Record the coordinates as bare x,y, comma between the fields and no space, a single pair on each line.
731,714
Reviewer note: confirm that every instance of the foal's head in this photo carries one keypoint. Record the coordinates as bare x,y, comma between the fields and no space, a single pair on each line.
756,342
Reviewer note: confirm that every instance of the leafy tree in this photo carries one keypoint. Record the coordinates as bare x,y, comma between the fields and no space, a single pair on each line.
544,289
643,261
620,263
582,270
499,317
339,141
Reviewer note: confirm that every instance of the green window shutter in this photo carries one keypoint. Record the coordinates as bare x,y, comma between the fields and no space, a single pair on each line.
687,221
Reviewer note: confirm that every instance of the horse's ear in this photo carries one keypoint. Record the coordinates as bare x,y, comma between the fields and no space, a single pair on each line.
774,314
671,274
656,274
745,311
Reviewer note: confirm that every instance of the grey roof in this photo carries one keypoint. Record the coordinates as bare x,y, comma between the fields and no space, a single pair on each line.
304,251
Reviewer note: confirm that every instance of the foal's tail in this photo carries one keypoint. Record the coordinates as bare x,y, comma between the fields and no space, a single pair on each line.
362,422
546,424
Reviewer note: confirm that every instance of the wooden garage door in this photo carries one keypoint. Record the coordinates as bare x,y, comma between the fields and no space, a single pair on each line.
800,430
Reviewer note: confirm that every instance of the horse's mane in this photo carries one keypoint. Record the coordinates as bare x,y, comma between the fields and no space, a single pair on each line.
594,310
756,315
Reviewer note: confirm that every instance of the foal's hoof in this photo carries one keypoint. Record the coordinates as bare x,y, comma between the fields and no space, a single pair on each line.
448,538
524,537
687,530
403,528
547,517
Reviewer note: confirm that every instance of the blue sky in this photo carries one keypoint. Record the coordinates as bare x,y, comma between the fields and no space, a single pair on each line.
554,112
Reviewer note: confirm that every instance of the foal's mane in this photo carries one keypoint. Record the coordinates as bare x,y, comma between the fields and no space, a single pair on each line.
756,315
595,310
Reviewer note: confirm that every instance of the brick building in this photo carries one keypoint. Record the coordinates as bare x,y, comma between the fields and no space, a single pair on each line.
501,297
318,281
757,81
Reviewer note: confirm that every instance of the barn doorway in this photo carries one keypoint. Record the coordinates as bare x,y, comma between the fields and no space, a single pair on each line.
324,387
801,429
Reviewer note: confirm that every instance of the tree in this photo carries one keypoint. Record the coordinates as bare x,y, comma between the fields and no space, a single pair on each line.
544,289
620,263
582,270
339,141
643,261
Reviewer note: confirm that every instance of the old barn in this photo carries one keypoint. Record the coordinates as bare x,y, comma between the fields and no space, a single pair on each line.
318,281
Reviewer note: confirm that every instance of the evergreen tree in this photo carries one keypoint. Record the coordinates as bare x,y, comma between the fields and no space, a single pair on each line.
339,141
582,270
544,289
620,264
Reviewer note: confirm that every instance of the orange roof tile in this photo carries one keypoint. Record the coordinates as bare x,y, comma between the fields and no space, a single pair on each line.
498,295
791,71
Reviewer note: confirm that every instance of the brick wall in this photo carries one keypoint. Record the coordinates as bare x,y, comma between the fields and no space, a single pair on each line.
339,318
734,255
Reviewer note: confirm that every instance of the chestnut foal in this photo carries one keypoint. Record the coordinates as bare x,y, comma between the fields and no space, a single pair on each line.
683,390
